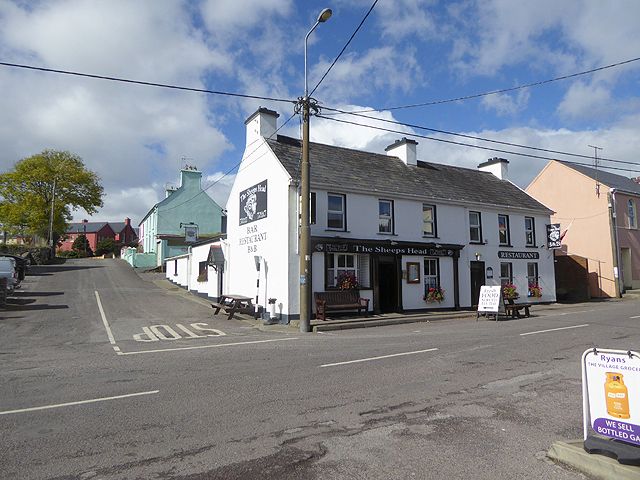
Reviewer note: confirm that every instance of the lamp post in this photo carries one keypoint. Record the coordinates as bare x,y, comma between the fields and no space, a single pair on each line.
305,193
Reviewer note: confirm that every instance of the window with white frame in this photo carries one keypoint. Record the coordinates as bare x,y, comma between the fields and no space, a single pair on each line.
428,220
503,230
631,208
431,274
336,211
532,274
475,227
385,216
340,265
506,273
530,231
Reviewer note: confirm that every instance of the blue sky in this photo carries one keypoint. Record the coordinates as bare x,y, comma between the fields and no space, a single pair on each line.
408,51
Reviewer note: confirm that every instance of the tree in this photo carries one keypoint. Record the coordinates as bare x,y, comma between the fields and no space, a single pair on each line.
106,245
27,192
81,246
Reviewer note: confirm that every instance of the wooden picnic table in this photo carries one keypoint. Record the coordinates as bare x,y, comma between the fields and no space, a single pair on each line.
233,304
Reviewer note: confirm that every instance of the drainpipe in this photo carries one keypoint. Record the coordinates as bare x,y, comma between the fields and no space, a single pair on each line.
189,268
614,236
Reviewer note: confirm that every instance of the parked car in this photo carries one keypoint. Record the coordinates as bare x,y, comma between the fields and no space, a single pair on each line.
8,278
22,264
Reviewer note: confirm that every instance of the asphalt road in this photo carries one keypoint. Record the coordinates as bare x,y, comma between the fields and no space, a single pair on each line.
107,376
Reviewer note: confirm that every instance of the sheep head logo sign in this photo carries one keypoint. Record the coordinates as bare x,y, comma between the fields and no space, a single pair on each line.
253,203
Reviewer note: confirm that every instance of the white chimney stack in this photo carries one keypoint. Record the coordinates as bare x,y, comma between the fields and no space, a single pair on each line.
405,149
498,166
262,123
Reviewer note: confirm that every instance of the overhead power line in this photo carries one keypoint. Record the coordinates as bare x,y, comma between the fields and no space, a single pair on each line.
502,90
469,145
345,47
148,84
228,172
474,137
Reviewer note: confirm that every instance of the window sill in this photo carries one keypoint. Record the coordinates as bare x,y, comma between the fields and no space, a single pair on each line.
477,243
387,234
531,246
335,230
505,245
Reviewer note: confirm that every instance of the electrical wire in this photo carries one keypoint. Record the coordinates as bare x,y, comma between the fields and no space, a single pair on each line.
529,155
148,84
233,168
502,90
345,47
473,137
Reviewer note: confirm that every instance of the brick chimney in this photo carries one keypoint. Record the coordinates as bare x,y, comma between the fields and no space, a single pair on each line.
498,166
262,123
405,149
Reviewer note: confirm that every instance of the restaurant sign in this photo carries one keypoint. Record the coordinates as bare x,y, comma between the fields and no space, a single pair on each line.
518,255
253,203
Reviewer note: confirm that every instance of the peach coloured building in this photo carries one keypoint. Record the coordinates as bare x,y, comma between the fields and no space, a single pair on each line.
598,214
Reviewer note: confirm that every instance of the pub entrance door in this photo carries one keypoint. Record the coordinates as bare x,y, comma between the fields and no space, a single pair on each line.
477,280
387,280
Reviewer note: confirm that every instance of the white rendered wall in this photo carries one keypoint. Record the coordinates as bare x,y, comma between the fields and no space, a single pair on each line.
268,238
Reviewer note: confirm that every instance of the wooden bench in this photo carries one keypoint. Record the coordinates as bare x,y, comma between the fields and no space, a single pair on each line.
233,304
512,310
339,300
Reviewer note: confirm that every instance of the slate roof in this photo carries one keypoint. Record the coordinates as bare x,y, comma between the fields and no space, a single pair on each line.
346,169
117,226
92,227
612,180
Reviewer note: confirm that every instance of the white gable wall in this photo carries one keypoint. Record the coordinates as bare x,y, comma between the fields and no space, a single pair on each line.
268,238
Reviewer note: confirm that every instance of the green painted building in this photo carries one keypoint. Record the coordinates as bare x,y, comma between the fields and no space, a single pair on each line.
162,230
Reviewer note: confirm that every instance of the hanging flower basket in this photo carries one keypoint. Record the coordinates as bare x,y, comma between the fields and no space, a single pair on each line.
347,281
509,291
535,291
434,294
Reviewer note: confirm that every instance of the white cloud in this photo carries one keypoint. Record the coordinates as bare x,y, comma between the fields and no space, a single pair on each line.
218,186
129,135
505,104
586,100
120,204
378,68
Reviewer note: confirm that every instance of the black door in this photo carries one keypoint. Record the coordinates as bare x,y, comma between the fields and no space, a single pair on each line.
388,284
477,280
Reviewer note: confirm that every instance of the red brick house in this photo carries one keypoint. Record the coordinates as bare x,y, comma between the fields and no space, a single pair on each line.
125,233
94,231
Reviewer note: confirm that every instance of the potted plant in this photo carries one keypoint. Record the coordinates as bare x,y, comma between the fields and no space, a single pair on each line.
347,281
434,294
509,291
535,290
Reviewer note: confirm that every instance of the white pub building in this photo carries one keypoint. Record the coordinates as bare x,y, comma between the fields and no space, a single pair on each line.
399,225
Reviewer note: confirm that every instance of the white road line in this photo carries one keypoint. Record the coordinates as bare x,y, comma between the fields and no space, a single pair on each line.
377,358
207,346
81,402
637,316
104,320
554,329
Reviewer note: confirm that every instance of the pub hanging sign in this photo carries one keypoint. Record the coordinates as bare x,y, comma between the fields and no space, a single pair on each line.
554,238
253,203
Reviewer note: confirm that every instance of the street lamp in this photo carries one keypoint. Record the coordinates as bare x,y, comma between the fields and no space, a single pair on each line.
305,193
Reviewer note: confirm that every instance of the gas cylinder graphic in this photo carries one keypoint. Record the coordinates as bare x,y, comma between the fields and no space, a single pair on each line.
617,396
